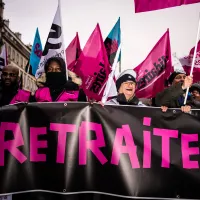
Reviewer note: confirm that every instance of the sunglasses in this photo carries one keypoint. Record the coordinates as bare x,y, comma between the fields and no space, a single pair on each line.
5,74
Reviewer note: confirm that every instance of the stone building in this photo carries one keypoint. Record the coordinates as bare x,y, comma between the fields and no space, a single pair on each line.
18,53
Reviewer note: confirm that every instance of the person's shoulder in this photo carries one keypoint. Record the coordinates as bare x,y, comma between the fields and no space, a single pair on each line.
24,91
112,101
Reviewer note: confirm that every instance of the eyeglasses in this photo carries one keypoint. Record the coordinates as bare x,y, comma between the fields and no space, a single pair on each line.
5,74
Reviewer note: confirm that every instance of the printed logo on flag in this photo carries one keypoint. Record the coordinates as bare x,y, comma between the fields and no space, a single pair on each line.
149,76
54,46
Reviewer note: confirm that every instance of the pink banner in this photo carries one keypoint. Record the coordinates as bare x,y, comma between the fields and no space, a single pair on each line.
93,66
149,5
153,72
73,51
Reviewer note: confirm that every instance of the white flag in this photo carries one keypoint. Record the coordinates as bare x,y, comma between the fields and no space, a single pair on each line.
111,89
6,197
54,46
3,57
176,63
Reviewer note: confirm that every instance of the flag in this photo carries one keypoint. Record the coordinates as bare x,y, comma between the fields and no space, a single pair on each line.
3,58
149,5
153,72
73,51
113,41
93,66
54,45
187,63
111,90
36,52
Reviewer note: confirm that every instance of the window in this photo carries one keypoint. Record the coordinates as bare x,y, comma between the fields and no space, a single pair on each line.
17,58
13,54
21,62
25,62
9,51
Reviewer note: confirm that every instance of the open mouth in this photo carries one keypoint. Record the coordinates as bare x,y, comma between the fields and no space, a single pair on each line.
130,90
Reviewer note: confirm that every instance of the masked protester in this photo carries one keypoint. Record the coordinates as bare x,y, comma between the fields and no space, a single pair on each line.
126,85
10,93
57,88
174,95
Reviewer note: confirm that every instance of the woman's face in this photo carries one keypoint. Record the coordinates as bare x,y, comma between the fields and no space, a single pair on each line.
128,88
54,67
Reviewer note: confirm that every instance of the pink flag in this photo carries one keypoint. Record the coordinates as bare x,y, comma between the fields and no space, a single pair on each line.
153,72
73,51
93,66
149,5
187,63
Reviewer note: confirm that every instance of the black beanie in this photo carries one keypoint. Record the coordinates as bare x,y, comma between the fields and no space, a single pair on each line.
124,78
173,76
60,62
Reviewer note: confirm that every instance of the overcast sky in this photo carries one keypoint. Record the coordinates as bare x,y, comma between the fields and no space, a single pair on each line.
140,31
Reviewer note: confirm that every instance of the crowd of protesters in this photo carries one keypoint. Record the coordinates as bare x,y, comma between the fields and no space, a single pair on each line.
54,86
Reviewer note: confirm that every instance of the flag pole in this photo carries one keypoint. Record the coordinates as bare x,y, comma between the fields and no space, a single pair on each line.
111,76
120,64
59,4
194,57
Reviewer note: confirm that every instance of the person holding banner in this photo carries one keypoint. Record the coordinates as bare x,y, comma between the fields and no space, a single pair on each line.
173,96
57,88
126,85
10,93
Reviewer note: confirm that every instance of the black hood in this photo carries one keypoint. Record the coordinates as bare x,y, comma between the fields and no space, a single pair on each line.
60,62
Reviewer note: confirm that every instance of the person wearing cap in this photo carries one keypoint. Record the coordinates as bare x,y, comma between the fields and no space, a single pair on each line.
126,85
174,95
56,87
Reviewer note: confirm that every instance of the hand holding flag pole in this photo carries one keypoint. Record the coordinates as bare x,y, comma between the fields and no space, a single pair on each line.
111,76
194,57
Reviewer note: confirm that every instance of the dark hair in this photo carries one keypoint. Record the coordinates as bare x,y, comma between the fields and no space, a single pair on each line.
58,60
195,86
173,76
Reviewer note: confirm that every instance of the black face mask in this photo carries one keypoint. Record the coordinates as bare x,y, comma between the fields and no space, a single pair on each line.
55,79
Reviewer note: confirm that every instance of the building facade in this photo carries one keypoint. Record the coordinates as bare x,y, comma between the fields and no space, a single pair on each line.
17,52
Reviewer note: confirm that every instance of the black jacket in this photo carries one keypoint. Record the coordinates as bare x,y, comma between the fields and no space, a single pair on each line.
170,96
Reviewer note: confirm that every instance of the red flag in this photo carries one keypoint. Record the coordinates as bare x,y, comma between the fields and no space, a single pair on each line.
93,66
153,72
149,5
187,63
73,51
